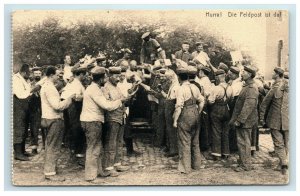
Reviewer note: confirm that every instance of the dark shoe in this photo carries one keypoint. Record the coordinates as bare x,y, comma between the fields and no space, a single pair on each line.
55,178
171,154
175,158
113,173
122,168
216,158
278,168
225,157
284,169
239,169
81,162
272,153
134,153
18,153
34,152
104,174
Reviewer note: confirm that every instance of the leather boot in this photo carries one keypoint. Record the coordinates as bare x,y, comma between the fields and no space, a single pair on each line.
24,150
18,153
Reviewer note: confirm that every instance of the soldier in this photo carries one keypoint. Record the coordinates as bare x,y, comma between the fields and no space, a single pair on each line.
92,119
275,105
205,132
184,53
127,88
189,105
219,115
52,120
114,121
200,56
125,60
68,75
169,88
236,83
35,111
21,95
245,117
77,135
224,67
151,50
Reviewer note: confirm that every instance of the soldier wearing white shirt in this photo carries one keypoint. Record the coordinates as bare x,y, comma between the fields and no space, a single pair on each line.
205,132
75,87
220,116
52,121
68,75
189,105
21,94
92,119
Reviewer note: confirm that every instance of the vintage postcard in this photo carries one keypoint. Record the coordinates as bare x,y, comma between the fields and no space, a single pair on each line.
140,97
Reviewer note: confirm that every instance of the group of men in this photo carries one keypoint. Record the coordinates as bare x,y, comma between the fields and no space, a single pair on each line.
195,106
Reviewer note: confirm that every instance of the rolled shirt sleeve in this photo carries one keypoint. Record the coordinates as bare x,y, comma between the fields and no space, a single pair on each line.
20,87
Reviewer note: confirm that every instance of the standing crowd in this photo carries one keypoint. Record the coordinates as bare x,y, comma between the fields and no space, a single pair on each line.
201,106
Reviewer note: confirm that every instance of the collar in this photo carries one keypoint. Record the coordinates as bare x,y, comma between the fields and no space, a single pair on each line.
185,83
248,82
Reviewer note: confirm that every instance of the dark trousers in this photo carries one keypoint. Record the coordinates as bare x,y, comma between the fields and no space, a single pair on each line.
54,131
205,130
111,145
219,121
35,125
280,140
188,139
93,157
255,138
77,134
20,114
244,146
172,139
161,125
232,132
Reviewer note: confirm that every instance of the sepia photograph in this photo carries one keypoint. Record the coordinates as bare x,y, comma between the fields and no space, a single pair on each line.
150,97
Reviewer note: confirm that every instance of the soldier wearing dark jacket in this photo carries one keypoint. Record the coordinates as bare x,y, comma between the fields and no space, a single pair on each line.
244,117
275,105
184,53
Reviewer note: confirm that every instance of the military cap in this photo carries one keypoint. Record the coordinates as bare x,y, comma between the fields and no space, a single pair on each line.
90,66
199,43
126,50
162,71
156,67
100,57
76,69
36,69
250,69
204,68
186,42
279,70
223,66
123,68
219,72
145,35
192,63
235,70
97,70
114,70
286,75
192,70
181,70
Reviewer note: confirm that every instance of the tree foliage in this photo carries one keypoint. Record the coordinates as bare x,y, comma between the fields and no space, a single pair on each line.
49,42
